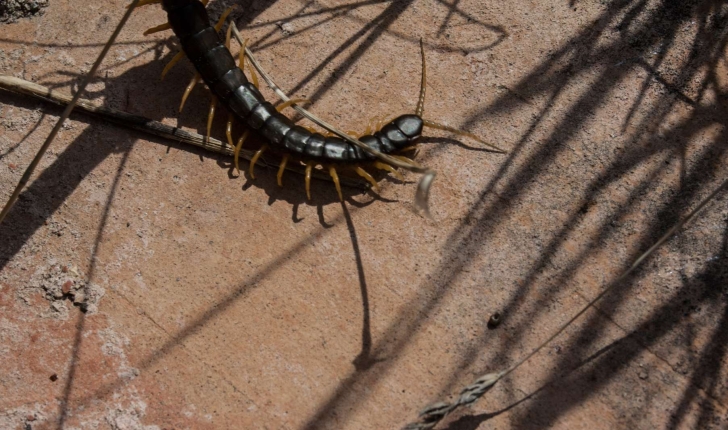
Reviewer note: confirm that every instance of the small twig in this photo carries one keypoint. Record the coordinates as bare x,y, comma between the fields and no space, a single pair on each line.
147,125
39,155
435,413
423,188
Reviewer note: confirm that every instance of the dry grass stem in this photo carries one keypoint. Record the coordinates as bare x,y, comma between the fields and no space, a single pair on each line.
150,126
52,135
432,415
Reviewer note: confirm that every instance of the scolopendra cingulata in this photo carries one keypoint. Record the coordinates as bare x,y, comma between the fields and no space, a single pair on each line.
216,67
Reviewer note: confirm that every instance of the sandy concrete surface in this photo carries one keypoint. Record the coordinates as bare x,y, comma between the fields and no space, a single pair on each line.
143,285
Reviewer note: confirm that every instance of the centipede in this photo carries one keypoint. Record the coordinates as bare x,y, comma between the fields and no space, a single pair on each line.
382,144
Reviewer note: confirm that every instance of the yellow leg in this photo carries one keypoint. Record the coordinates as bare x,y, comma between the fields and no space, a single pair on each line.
254,76
380,124
370,126
254,160
409,148
180,55
229,130
388,168
195,80
236,154
145,2
157,29
223,17
210,116
309,167
228,33
241,63
335,177
364,174
282,169
290,102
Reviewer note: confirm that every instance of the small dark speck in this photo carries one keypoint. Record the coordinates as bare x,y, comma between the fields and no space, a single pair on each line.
494,320
54,377
128,224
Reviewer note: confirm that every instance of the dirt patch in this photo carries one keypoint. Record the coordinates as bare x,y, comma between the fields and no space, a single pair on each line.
12,10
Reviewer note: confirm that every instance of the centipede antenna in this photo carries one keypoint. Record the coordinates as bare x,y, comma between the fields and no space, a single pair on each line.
255,160
157,29
421,101
195,80
282,168
236,154
66,112
180,55
433,124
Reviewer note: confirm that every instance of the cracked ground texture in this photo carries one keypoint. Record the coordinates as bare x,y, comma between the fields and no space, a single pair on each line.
144,285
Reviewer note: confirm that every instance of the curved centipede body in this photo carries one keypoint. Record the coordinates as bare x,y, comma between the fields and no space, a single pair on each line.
216,67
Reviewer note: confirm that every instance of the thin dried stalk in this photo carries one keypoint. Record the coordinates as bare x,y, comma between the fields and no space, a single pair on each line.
52,135
432,415
423,188
147,125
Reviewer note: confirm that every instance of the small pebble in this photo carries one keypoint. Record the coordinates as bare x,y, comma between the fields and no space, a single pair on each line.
54,377
66,287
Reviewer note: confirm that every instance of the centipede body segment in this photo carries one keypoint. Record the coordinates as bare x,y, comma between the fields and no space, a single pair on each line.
216,67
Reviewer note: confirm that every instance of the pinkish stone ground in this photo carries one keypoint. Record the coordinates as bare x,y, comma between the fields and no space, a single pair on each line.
219,302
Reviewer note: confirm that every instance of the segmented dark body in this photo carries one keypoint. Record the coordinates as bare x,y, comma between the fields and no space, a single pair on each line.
203,46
